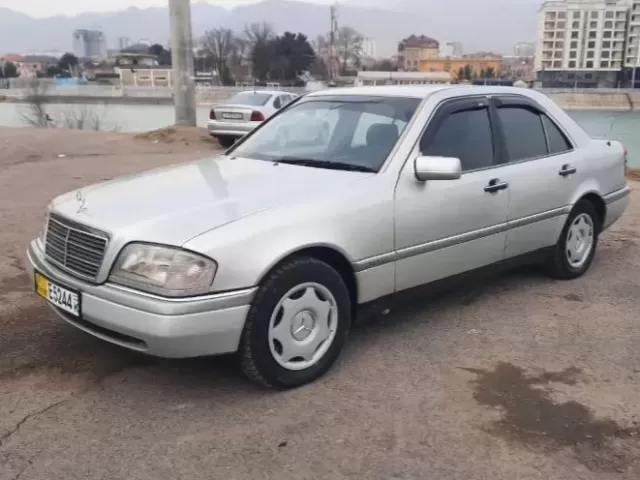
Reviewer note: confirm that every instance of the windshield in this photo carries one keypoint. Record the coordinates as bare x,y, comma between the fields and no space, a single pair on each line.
249,98
335,130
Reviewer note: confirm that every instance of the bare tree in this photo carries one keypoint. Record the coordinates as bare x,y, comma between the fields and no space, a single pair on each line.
256,33
84,117
258,38
35,112
221,45
349,43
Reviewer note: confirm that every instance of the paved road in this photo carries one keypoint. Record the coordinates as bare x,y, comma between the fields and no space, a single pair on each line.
518,378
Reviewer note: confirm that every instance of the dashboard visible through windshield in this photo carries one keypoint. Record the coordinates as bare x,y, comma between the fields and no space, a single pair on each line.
340,131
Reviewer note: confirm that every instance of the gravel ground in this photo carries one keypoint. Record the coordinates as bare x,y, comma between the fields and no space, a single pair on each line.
518,378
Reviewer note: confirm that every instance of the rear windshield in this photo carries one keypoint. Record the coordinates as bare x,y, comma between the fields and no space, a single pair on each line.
250,98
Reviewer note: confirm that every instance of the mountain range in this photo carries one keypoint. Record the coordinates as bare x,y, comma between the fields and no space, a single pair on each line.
488,25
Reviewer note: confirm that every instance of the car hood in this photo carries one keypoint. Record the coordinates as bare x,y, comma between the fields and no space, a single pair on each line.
172,205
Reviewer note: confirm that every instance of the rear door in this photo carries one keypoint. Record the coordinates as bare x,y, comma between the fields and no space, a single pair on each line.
543,170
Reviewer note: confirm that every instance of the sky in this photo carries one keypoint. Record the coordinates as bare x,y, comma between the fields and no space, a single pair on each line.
42,8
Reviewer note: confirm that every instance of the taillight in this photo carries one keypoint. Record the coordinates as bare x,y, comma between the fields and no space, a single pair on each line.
257,116
212,114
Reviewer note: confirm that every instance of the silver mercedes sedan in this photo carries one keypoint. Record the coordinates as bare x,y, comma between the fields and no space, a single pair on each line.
341,201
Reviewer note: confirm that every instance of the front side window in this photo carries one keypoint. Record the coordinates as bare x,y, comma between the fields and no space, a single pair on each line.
332,131
523,133
465,135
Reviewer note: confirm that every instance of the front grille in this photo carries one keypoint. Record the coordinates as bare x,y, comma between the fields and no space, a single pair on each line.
74,247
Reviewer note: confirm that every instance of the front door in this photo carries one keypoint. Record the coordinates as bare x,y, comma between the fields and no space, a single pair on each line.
447,227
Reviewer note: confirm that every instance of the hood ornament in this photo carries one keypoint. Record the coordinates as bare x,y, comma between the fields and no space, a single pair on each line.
81,201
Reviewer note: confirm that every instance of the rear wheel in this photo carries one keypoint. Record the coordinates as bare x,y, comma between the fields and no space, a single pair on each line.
297,325
576,248
226,141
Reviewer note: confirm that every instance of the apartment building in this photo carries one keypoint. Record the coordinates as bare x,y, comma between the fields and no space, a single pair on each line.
582,43
632,58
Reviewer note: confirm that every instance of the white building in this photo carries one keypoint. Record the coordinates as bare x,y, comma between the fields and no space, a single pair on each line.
369,48
371,78
581,41
89,44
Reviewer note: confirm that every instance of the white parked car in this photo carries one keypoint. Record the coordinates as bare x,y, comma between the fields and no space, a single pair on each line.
243,112
272,248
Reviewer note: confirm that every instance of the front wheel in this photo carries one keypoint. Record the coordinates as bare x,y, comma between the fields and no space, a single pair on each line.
576,247
297,325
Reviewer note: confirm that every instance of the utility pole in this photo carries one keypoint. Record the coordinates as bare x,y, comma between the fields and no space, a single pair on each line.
333,32
184,91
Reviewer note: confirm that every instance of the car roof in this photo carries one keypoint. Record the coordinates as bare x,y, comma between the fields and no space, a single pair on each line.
421,91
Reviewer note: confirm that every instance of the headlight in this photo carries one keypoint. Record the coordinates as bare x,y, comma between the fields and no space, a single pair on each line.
166,271
42,232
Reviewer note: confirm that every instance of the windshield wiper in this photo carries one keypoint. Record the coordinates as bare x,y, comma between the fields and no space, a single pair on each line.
308,162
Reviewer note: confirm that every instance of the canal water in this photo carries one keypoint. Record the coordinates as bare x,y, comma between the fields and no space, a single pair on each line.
622,126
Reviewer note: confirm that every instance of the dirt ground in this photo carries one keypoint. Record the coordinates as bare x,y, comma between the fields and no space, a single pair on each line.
520,377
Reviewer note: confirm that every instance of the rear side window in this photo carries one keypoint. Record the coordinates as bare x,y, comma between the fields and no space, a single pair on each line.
250,98
558,142
523,133
465,135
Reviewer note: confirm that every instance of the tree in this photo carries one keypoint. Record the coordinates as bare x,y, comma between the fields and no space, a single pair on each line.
490,73
385,65
163,55
349,45
482,73
8,70
292,54
258,37
220,44
68,62
461,74
468,72
319,69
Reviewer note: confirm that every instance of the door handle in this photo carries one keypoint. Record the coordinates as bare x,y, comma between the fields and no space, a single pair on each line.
496,185
567,170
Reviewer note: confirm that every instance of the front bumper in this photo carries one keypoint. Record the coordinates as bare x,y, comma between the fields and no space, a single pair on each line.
163,327
218,128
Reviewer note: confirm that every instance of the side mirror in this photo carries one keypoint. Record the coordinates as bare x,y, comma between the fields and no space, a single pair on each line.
437,168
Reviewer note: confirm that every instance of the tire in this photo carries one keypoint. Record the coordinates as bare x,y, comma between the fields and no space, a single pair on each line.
567,263
226,141
318,297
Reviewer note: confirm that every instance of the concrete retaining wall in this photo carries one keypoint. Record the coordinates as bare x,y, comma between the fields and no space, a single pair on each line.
583,100
623,101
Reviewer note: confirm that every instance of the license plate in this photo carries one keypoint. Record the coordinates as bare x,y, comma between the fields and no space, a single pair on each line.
232,116
61,297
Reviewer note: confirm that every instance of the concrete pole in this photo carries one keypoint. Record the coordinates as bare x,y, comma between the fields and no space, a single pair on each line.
184,95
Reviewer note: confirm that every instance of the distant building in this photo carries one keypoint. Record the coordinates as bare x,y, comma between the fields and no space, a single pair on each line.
451,49
479,65
524,49
123,42
414,49
369,48
91,44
